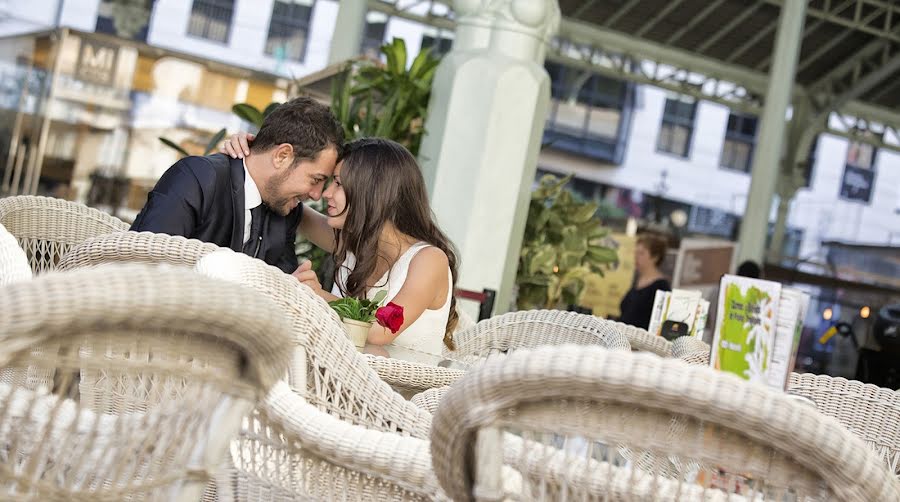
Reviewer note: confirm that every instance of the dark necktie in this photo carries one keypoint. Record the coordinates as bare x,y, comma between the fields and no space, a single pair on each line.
257,215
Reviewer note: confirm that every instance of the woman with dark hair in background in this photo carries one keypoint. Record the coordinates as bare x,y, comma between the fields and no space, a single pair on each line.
637,305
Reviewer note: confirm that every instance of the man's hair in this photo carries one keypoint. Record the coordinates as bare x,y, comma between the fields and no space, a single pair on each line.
306,124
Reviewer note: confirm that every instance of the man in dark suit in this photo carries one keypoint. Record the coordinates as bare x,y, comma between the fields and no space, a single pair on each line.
251,205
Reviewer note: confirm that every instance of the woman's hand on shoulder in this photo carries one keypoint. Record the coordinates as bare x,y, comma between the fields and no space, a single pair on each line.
237,146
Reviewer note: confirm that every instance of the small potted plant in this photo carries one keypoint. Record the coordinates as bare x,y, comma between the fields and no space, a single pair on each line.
359,314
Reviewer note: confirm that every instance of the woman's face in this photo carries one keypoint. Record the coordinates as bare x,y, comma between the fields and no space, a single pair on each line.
643,260
336,200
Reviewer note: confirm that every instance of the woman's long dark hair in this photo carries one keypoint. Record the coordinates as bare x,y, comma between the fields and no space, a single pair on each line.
383,183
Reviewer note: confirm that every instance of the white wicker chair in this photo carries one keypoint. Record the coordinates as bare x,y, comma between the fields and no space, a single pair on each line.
46,228
14,265
351,441
866,410
136,247
150,371
579,422
533,328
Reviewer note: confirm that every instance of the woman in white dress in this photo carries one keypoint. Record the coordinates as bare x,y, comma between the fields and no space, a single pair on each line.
380,229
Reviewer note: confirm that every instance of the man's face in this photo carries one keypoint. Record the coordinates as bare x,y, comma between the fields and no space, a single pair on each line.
291,185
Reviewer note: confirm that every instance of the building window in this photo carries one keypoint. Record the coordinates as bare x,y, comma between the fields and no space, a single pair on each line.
740,138
211,19
440,42
677,126
587,113
859,172
289,29
373,36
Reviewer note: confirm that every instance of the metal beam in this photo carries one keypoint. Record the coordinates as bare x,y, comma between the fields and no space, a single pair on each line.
807,32
751,80
866,83
621,12
700,16
673,4
642,49
849,65
734,23
755,39
890,9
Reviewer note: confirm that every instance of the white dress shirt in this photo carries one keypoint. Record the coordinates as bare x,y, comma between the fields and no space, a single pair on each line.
252,198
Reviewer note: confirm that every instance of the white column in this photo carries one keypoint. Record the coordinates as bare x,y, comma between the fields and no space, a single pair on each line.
348,30
485,122
767,156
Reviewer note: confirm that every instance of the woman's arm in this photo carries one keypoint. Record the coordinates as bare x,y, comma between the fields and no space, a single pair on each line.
314,226
426,284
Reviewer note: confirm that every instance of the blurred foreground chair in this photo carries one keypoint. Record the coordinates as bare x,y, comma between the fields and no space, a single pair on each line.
337,431
127,382
579,422
46,227
14,265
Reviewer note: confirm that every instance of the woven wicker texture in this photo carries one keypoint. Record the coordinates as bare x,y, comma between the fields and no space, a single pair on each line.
46,228
338,379
641,340
14,265
145,373
866,410
136,247
411,377
430,399
291,450
534,328
574,416
342,435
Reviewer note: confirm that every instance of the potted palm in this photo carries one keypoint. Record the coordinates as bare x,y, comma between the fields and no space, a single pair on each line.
359,314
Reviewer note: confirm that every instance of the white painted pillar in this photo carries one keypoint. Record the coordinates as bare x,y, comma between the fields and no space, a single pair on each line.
767,155
485,123
348,30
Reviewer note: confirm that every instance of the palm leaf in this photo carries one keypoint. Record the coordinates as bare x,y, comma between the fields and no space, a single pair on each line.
169,143
248,113
211,146
269,109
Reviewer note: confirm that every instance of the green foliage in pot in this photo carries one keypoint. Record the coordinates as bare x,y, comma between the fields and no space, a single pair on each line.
211,145
386,100
356,309
562,246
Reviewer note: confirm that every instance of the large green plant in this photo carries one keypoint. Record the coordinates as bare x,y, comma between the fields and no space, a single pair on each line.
385,99
208,149
562,246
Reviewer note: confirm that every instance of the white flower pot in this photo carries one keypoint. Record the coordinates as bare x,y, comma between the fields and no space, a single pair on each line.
357,331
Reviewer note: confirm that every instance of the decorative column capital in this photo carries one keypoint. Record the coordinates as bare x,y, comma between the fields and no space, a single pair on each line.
537,18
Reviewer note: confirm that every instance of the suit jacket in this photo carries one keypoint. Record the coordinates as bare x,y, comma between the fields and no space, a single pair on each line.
203,198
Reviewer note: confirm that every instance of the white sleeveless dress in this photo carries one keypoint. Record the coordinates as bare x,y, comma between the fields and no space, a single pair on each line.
426,334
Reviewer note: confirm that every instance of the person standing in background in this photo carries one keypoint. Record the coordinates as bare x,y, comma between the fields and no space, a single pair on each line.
637,305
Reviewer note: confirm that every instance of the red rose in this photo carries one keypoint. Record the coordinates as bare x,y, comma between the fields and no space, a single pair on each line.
390,316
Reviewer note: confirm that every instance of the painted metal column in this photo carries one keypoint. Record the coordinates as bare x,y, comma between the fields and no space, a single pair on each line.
348,31
767,155
486,118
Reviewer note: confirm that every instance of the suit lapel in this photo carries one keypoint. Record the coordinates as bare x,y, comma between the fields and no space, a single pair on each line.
237,201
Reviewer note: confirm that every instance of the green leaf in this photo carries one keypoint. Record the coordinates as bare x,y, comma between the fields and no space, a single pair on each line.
269,109
379,297
583,213
171,144
602,255
248,113
214,142
543,261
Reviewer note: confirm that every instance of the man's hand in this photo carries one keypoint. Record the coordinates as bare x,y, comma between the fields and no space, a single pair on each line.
238,145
